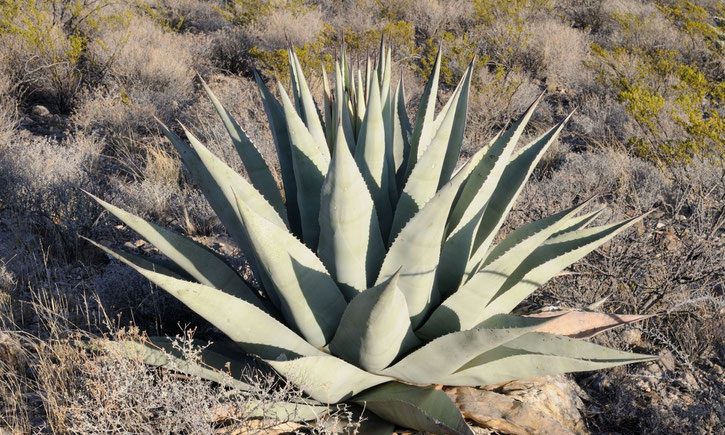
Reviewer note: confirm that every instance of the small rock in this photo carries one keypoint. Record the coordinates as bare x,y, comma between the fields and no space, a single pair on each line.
689,379
667,361
632,336
40,112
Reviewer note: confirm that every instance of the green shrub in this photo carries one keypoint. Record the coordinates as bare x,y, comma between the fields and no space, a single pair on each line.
46,42
673,94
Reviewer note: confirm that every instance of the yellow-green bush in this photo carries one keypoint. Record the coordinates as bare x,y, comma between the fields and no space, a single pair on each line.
45,43
674,95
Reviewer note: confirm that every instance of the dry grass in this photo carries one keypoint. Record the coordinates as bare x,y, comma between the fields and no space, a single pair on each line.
61,378
8,108
150,75
41,181
561,51
283,27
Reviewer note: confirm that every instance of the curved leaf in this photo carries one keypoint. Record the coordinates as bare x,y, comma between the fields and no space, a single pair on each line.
194,258
539,354
421,408
423,131
459,240
248,326
509,187
310,167
350,246
310,299
259,173
326,378
375,328
217,197
484,178
548,260
424,179
444,355
455,140
462,309
416,251
579,222
234,185
308,109
278,126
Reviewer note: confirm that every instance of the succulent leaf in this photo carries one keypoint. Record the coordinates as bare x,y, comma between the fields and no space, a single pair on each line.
423,181
375,328
458,244
444,355
342,113
419,408
455,139
549,259
311,302
579,222
215,195
327,378
508,189
234,185
420,239
460,310
353,256
423,130
308,109
259,173
478,189
370,155
192,257
248,326
539,354
280,134
310,164
401,134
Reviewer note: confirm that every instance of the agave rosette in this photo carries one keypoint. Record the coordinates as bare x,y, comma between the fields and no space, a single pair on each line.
376,272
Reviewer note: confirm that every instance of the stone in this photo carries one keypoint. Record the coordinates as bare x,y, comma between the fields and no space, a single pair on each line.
667,361
547,405
39,112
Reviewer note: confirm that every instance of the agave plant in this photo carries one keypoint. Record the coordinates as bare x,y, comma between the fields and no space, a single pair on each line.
376,275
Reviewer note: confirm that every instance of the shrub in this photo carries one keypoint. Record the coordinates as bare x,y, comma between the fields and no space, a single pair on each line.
192,16
40,181
8,108
46,44
671,92
431,17
560,51
82,387
150,74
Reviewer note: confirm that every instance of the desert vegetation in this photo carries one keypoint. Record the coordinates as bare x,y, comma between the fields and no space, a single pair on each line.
81,83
